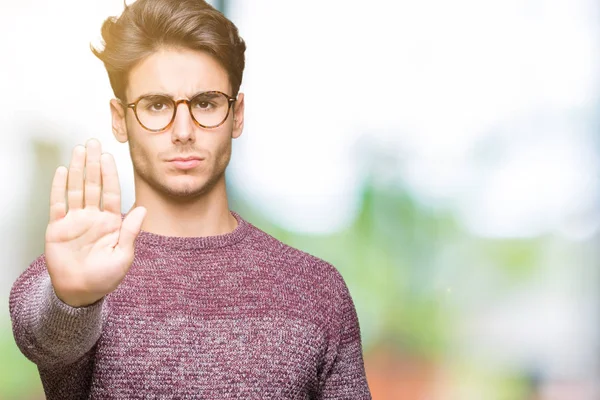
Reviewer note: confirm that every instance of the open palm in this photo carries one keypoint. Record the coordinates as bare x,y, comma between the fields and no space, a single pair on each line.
89,248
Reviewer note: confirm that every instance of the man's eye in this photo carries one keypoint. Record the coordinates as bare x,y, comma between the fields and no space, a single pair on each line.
205,105
157,106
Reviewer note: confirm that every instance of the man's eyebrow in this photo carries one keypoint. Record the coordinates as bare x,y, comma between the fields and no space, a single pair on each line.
154,94
150,94
163,94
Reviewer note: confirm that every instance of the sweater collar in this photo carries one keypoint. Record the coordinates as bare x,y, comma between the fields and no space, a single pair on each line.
199,242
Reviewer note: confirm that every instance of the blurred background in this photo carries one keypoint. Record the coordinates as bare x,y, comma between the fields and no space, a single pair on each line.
444,156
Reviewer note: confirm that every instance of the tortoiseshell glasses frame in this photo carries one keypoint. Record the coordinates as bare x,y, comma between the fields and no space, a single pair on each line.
188,102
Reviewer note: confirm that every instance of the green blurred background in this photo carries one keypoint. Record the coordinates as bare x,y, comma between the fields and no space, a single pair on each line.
443,156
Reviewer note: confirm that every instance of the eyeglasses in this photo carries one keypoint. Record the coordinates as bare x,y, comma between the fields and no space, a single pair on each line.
157,112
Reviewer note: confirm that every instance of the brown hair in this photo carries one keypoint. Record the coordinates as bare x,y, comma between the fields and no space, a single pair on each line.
147,25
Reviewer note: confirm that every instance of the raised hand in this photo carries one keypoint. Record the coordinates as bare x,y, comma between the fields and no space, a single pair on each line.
88,248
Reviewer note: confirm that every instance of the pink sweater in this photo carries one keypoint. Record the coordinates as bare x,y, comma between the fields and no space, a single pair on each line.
236,316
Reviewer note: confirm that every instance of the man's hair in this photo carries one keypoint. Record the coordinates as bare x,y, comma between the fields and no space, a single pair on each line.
149,25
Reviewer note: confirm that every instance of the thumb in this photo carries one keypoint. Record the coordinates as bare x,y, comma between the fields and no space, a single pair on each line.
130,228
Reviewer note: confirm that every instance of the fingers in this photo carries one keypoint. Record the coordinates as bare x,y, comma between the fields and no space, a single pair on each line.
130,228
101,181
75,179
111,191
58,207
92,174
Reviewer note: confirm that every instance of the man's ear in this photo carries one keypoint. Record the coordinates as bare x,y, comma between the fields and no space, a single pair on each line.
238,116
119,127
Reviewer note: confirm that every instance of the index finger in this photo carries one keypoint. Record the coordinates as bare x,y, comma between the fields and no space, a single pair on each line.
111,190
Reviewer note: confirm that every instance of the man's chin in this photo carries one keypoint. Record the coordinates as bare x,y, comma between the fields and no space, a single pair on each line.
187,192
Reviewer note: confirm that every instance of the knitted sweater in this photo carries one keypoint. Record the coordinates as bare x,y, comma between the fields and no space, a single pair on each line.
234,316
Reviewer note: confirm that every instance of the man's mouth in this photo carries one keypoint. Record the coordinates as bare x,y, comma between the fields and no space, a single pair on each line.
185,162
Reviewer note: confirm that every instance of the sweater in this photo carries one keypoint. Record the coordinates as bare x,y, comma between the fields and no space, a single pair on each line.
233,316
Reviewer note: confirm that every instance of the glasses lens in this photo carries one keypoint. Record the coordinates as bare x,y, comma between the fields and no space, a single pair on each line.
210,109
155,112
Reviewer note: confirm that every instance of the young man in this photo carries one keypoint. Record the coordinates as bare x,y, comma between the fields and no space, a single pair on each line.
180,298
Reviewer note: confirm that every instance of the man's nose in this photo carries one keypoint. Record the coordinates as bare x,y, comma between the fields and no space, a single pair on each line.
183,126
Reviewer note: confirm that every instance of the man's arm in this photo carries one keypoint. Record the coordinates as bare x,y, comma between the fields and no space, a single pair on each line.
58,338
344,376
57,304
49,332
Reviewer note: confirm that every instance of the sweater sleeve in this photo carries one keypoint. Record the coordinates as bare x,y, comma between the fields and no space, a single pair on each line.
344,377
58,338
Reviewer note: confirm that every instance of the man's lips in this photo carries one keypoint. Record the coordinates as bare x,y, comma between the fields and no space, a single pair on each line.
185,162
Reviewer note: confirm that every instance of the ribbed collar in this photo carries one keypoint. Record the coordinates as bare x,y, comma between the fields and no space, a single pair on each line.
199,242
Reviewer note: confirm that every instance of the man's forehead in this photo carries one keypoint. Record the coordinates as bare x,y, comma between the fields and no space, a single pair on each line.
178,72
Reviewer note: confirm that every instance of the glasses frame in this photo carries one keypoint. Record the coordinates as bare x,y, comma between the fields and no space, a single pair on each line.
188,103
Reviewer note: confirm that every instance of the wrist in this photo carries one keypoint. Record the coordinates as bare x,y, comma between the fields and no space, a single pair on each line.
77,300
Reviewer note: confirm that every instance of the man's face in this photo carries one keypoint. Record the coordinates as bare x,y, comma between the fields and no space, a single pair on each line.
180,74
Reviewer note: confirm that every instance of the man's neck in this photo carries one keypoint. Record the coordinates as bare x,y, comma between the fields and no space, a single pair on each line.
207,215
